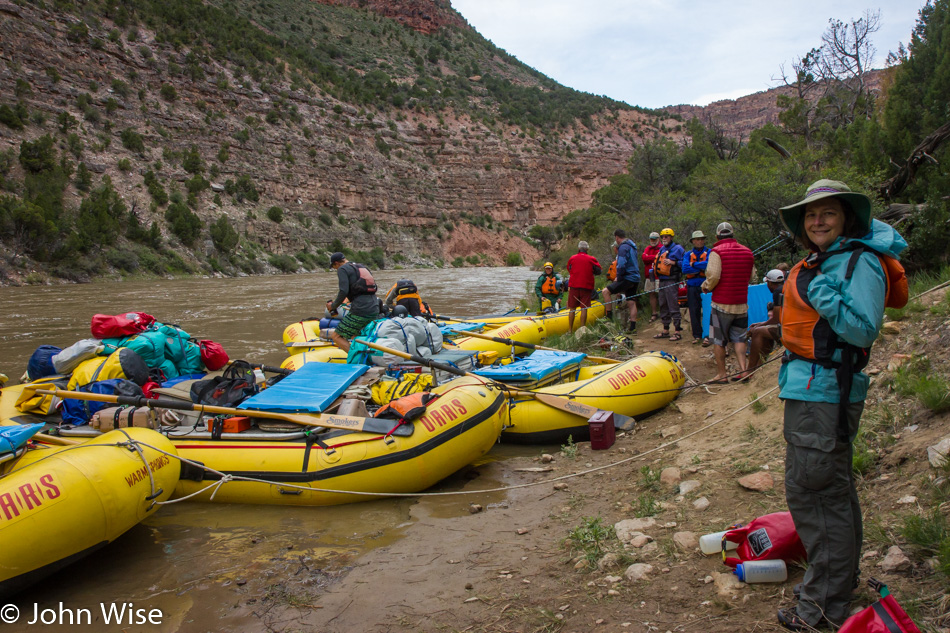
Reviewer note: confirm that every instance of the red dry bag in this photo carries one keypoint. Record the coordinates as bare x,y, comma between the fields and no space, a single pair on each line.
213,355
770,537
108,326
884,616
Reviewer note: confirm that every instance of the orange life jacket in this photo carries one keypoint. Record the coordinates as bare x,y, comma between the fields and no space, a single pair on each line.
407,408
804,333
612,271
693,259
549,287
807,336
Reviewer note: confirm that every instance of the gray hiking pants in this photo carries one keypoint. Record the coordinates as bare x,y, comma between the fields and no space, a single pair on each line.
823,500
669,307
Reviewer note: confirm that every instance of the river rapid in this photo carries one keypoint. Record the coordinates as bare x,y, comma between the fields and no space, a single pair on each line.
217,567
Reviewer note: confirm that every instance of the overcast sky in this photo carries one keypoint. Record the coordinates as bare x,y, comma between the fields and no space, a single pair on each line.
655,53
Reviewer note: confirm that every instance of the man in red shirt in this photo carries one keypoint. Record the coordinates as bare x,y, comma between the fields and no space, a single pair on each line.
582,269
650,285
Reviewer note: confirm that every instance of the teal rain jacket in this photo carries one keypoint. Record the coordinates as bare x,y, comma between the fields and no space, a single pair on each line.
854,308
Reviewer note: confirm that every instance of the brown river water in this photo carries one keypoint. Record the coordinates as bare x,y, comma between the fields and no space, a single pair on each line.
218,567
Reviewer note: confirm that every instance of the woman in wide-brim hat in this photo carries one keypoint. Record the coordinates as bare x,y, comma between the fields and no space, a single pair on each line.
832,313
856,208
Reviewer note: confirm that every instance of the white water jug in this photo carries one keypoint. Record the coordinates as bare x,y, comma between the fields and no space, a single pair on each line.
753,571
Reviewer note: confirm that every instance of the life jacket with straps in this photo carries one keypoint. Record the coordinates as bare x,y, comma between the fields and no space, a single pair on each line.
809,337
365,285
407,408
693,258
660,267
549,287
612,271
407,295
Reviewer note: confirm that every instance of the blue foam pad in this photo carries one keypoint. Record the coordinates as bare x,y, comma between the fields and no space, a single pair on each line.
759,298
13,437
540,365
310,389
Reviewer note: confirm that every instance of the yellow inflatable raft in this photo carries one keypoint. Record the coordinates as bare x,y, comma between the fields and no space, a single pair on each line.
635,388
58,504
556,323
460,426
524,330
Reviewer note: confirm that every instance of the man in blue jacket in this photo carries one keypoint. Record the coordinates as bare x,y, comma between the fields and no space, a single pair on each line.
694,269
628,278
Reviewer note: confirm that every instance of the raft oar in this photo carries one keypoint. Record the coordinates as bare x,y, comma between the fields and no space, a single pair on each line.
564,403
330,421
308,344
52,439
601,360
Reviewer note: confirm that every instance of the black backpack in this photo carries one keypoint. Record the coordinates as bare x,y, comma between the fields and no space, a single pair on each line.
233,387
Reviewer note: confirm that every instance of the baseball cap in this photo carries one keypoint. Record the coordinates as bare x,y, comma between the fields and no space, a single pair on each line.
336,257
654,235
724,229
775,275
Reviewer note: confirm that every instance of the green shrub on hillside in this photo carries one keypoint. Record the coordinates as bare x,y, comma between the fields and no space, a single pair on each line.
13,117
38,156
184,224
223,235
275,214
155,188
132,141
100,217
284,263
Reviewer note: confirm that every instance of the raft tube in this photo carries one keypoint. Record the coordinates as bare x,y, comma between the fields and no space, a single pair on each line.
58,504
557,321
456,429
636,388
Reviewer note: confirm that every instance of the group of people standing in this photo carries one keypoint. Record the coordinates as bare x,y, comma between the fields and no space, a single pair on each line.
827,311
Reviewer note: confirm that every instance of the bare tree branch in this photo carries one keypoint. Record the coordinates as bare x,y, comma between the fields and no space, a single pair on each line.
905,175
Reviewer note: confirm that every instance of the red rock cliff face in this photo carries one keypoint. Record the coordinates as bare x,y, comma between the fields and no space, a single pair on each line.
739,117
426,16
399,181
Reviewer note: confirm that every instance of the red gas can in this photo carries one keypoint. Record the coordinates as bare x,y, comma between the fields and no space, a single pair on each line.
602,431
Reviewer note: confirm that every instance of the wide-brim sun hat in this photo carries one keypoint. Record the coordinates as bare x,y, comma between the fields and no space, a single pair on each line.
698,235
861,205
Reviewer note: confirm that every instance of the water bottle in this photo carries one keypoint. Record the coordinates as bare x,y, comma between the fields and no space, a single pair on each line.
762,571
712,543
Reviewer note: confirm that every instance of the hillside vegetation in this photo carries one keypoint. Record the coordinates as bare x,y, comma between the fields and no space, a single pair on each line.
194,137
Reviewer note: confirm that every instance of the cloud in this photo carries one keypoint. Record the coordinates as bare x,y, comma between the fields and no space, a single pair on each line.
664,52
